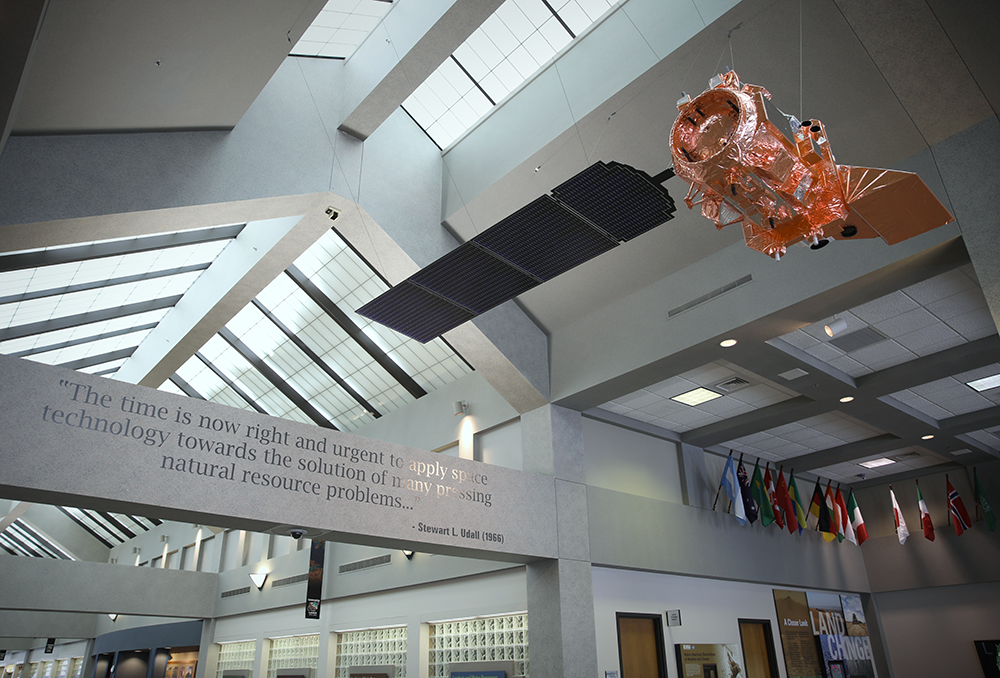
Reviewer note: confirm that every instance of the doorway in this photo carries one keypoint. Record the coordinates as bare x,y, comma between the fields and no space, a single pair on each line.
640,645
758,648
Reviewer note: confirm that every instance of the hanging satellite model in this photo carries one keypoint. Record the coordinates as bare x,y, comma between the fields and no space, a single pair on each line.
743,170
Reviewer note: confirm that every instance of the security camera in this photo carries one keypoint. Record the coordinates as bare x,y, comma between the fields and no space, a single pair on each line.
332,212
296,533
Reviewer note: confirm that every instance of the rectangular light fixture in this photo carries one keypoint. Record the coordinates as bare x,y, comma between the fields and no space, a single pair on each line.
697,396
986,383
875,463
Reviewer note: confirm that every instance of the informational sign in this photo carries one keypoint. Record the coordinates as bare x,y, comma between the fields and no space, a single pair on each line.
798,645
50,645
842,645
706,660
314,586
989,657
673,617
87,441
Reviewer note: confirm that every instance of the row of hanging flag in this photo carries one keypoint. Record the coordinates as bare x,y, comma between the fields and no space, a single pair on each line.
829,513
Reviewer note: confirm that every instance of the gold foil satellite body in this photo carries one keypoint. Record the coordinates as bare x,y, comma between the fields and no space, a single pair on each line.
744,170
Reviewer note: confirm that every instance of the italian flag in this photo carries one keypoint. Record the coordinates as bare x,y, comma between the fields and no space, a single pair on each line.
925,516
857,521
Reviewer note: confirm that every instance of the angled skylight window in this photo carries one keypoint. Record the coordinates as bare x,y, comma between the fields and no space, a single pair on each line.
88,306
299,351
341,26
507,49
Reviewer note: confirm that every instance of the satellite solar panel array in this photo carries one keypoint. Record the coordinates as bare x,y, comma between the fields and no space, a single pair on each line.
594,211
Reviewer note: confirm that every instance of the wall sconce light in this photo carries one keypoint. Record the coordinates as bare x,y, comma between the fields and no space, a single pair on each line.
258,579
135,550
461,407
408,554
164,538
836,327
114,616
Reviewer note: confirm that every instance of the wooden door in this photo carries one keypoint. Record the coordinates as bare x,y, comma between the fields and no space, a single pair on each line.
640,646
758,648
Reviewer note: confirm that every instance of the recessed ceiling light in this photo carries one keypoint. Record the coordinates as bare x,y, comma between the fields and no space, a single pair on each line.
696,396
847,399
927,437
985,383
727,343
875,463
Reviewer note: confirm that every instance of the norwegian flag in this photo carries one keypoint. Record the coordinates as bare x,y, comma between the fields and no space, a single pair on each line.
958,513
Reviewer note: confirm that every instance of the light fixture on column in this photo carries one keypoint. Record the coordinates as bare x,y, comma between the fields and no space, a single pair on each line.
408,554
836,327
461,407
113,615
258,579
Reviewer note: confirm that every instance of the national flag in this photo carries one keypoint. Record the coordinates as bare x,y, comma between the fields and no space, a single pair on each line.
925,515
787,504
957,508
845,531
819,514
901,532
984,504
798,507
731,485
773,498
759,493
857,520
831,507
749,508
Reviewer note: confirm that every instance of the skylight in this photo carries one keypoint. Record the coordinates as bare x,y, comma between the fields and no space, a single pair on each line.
298,351
88,306
507,49
341,26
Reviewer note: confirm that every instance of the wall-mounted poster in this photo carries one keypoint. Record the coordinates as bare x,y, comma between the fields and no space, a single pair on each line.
706,660
798,645
835,641
989,657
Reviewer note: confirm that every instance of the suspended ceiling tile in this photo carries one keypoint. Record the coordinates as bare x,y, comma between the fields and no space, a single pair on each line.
883,308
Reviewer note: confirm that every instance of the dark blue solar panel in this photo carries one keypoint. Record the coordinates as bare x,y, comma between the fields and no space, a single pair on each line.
619,199
590,214
544,239
415,312
474,279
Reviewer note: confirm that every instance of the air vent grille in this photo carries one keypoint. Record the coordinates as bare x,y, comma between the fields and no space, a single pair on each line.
705,298
854,341
235,592
734,384
289,580
365,564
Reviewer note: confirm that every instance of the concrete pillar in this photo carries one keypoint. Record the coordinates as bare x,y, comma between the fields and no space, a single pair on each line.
208,650
561,631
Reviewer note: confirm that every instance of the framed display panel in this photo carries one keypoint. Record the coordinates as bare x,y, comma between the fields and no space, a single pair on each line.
378,671
989,657
485,669
709,660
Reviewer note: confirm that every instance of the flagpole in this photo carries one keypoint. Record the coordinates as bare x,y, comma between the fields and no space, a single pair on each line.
949,498
718,491
975,495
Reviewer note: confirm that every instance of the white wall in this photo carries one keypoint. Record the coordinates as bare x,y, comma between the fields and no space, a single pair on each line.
710,610
627,461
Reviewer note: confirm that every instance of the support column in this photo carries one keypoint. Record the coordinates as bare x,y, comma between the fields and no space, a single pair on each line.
562,634
208,650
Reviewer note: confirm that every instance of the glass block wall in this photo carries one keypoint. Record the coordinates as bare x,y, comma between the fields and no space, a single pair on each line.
297,652
372,647
502,638
238,655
